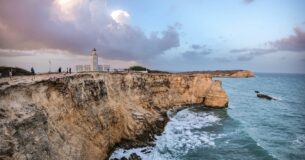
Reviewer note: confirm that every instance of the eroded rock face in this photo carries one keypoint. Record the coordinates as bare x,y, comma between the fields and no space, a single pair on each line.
216,97
85,116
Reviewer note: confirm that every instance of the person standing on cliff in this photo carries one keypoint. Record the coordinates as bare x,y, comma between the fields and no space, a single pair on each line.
70,71
10,73
33,73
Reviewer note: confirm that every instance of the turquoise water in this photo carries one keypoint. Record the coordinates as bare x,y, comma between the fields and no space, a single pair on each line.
250,128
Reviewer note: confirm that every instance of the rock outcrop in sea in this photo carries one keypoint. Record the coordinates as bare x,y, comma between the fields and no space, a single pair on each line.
85,116
264,96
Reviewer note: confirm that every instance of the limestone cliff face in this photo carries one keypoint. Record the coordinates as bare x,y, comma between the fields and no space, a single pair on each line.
216,97
85,115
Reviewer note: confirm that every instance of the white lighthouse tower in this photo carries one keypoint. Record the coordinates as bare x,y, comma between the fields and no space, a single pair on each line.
94,60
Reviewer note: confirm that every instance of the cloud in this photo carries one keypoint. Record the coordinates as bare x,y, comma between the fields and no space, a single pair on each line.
120,16
196,46
77,26
248,1
15,53
293,43
223,59
254,51
34,52
249,54
196,51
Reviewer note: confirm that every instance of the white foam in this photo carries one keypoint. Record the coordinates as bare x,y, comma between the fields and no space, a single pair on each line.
119,153
300,141
182,134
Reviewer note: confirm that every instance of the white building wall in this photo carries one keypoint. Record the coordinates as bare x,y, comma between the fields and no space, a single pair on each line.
106,67
87,68
79,68
100,67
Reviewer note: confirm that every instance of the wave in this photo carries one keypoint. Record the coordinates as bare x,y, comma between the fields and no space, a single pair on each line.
196,133
299,142
185,131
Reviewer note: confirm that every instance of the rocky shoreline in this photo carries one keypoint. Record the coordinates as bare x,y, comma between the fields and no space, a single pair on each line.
86,116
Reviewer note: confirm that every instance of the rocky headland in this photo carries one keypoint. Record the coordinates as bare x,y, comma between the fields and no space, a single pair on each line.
227,73
85,116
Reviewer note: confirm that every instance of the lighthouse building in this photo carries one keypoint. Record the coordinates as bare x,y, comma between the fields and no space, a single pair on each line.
94,60
93,65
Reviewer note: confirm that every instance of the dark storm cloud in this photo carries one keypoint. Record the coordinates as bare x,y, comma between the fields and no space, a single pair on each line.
293,43
36,24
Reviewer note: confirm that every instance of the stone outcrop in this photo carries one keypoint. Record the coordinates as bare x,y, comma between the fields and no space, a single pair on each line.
84,116
264,96
216,97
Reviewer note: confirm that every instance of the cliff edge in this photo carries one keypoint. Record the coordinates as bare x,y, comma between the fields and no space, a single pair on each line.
84,116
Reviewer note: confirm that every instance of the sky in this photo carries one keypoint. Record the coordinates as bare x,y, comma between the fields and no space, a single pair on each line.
172,35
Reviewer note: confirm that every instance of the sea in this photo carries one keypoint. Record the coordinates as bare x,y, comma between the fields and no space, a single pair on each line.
249,129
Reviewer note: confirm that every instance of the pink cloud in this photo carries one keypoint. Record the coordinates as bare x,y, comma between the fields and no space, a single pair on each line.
292,43
77,28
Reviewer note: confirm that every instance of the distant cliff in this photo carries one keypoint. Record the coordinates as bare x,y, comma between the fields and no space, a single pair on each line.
84,116
226,73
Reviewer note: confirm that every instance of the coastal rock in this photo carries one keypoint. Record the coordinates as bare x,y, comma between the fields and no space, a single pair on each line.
134,156
264,96
242,73
85,116
216,97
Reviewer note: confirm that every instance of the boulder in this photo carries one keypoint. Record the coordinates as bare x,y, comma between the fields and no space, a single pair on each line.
134,156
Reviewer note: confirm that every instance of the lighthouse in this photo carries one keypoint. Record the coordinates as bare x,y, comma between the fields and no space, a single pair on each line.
94,60
93,64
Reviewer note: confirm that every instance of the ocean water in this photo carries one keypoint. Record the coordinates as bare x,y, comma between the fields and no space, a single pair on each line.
250,128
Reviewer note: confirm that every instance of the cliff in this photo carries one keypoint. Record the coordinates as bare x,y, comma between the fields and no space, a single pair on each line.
84,116
226,73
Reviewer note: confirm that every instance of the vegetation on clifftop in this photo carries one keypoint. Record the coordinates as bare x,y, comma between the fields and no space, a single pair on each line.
4,71
141,68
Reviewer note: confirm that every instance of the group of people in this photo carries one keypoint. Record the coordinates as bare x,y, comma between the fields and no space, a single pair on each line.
69,70
10,72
